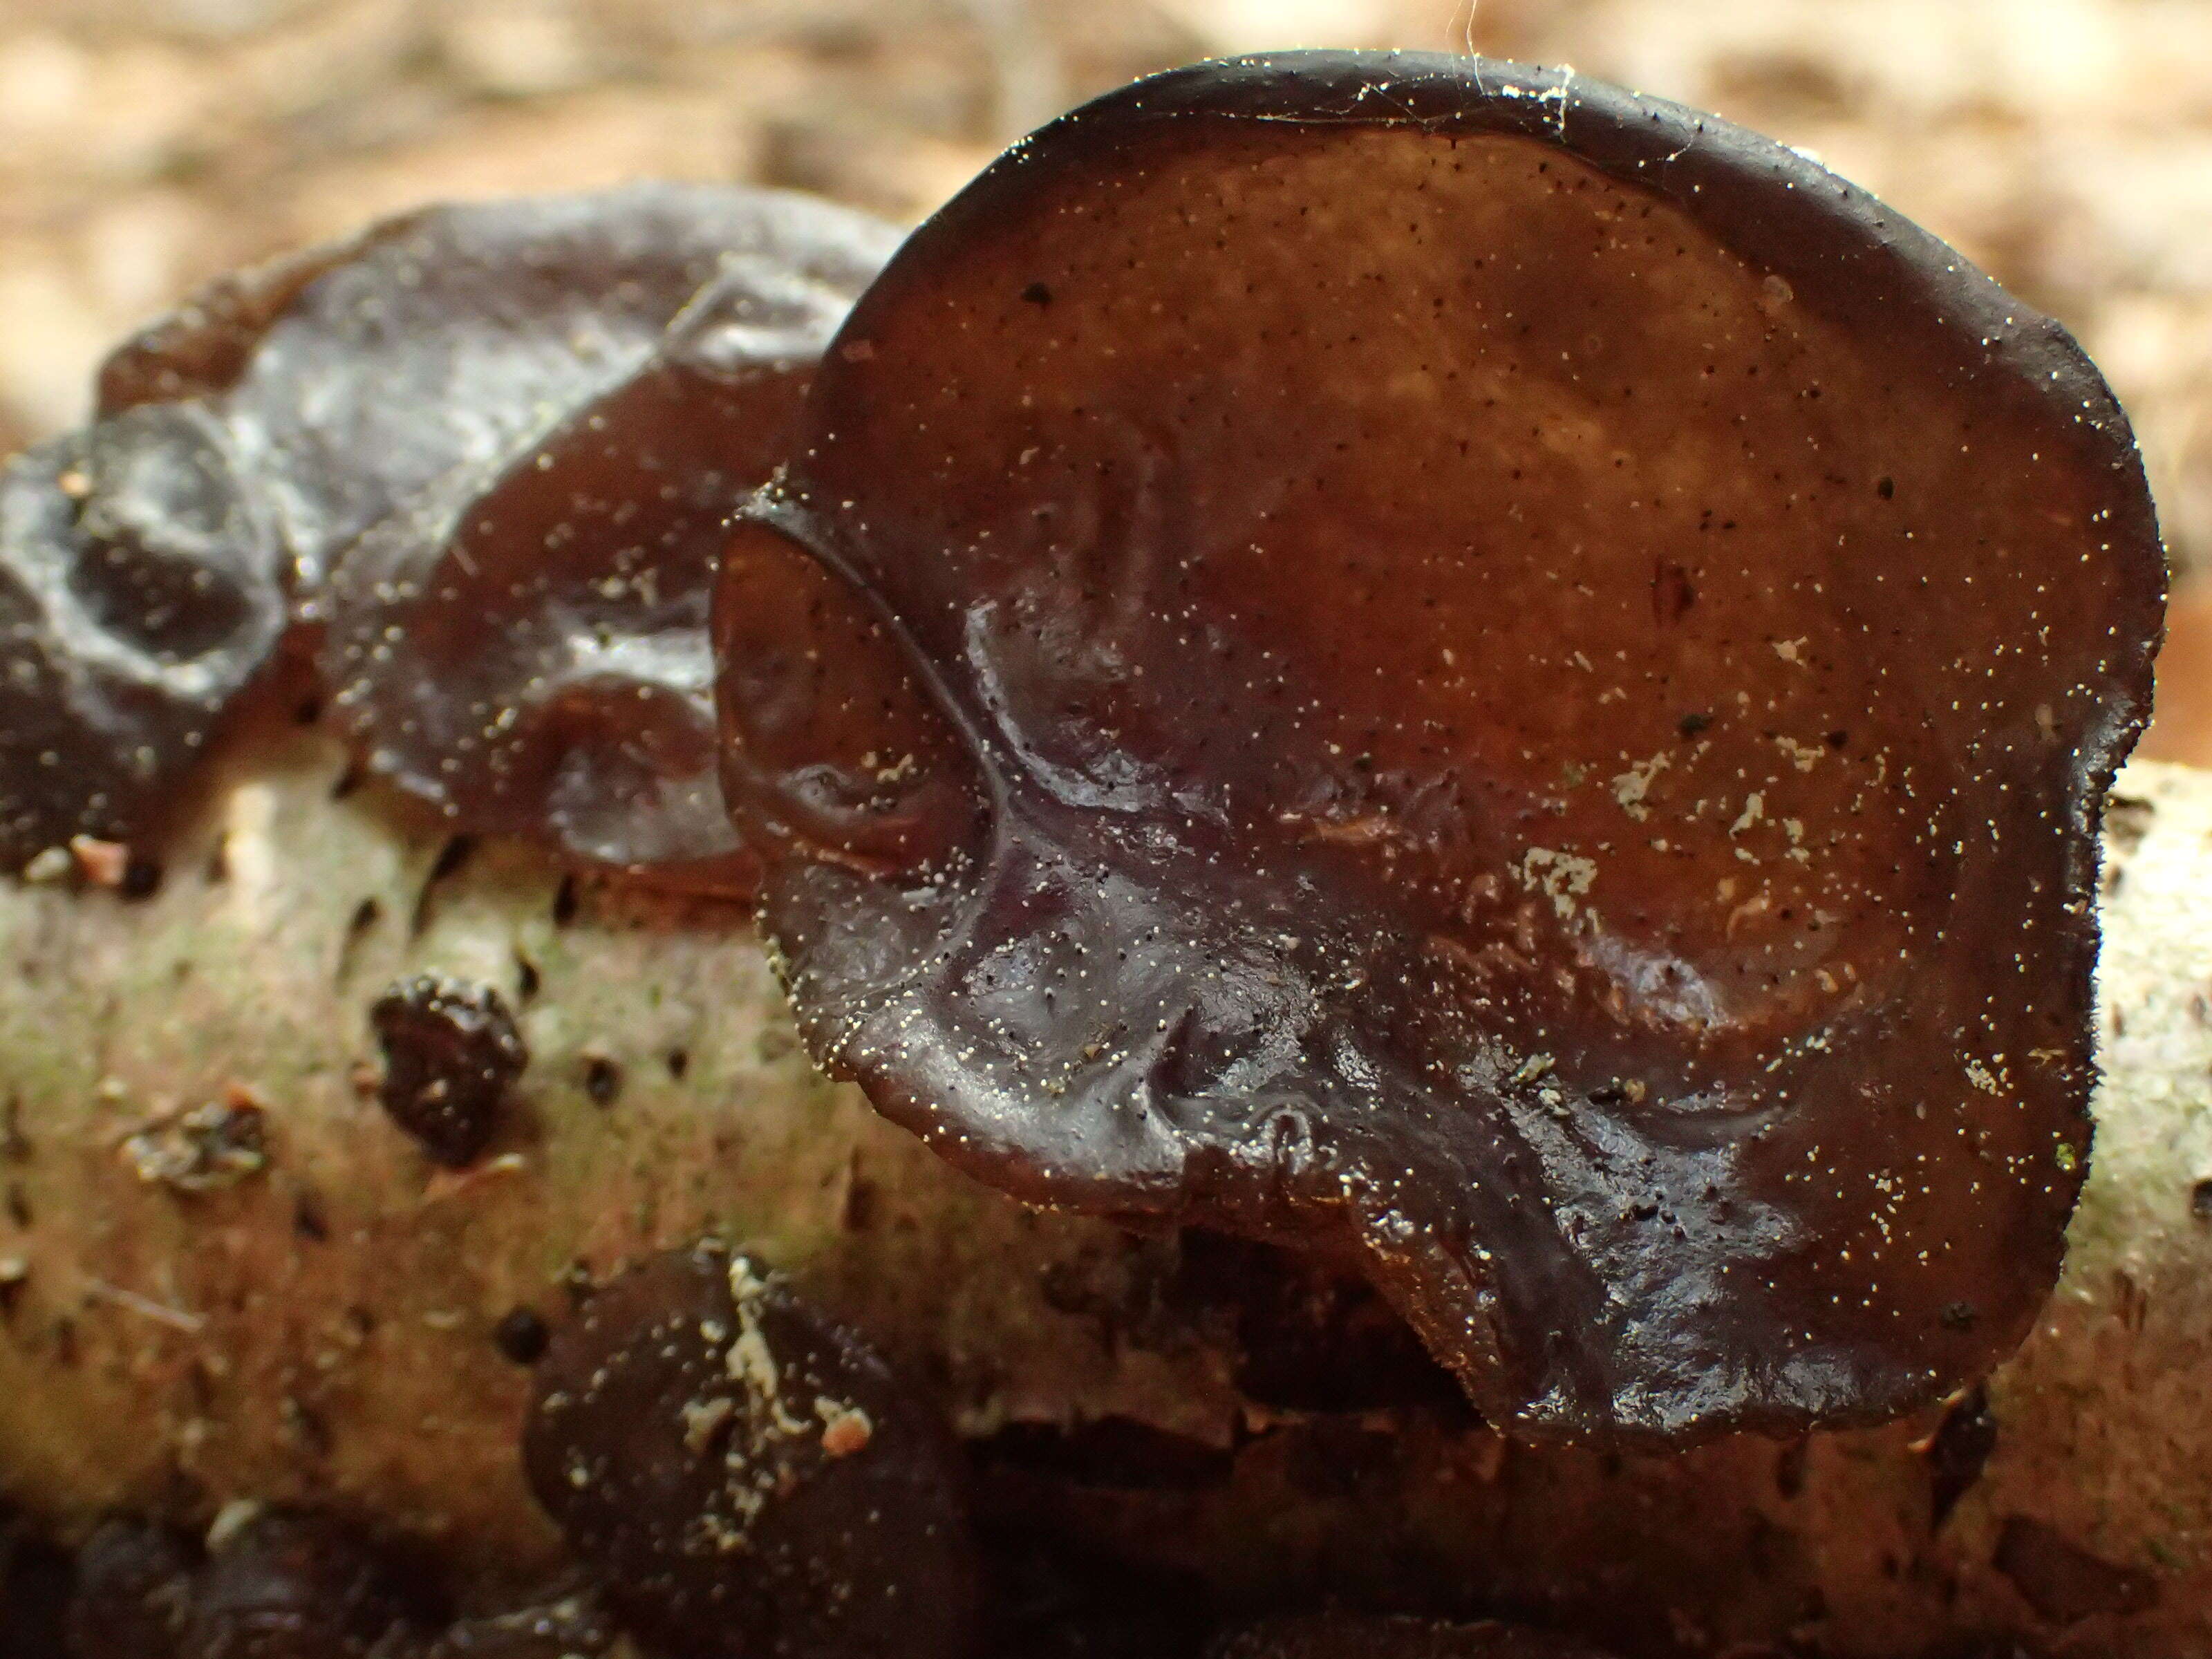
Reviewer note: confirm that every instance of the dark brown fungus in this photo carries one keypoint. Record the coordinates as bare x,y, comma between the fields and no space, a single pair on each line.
293,1584
245,446
747,1478
140,592
1345,1635
133,1595
526,645
451,1051
1392,716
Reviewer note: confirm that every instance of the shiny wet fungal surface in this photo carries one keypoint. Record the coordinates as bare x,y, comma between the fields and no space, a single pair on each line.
1487,677
476,458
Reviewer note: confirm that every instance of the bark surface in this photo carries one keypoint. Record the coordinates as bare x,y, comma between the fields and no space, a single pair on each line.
225,1272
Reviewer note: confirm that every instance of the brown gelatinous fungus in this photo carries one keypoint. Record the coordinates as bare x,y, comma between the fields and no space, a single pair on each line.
747,1478
354,377
525,644
245,448
1491,677
140,592
451,1051
1346,1636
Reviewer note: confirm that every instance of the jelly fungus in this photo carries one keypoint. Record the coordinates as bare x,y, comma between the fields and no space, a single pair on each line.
545,360
749,1479
525,644
1484,675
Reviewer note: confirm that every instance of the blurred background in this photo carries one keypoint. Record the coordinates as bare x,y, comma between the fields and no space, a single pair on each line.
146,145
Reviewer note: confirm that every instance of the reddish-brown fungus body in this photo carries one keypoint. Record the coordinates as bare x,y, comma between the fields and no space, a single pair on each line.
525,644
140,592
1484,674
353,404
747,1478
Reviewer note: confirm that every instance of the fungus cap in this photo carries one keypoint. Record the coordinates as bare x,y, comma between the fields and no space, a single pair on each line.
470,440
1488,677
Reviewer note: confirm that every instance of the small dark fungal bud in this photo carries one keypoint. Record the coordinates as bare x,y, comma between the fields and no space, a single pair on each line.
451,1051
134,1592
521,1336
293,1584
746,1478
1345,1635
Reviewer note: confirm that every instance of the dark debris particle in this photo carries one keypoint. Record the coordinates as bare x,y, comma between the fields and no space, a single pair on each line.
521,1335
2200,1199
310,1220
603,1079
1958,1451
746,1477
1958,1316
204,1149
452,1052
2063,1582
